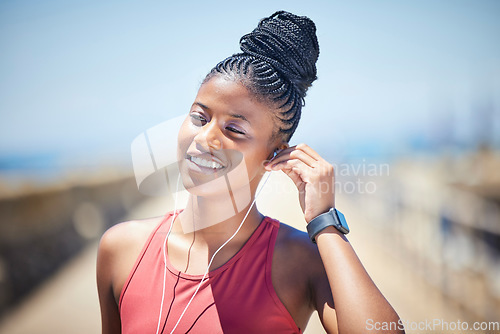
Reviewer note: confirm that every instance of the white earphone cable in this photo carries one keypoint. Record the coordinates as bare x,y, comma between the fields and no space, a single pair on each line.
165,255
210,262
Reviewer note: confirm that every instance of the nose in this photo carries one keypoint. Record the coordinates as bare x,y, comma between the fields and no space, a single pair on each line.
210,136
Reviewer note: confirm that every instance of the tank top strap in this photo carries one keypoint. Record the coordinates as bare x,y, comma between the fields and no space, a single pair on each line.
141,255
241,289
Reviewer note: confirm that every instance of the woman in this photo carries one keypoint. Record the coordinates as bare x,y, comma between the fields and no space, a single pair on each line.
170,274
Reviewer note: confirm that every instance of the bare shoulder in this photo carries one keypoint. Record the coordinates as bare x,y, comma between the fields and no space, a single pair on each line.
297,272
119,248
127,234
298,256
296,244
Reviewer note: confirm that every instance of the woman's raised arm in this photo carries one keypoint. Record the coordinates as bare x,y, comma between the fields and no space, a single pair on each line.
359,306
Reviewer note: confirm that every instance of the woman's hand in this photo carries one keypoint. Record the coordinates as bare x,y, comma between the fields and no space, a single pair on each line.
313,176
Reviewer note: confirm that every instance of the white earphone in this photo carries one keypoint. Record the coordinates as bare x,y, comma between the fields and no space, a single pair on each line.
211,260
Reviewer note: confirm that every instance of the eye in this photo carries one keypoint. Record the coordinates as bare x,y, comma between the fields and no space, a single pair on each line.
229,128
198,119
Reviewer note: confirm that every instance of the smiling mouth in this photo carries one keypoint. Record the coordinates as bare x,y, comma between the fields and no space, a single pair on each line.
205,163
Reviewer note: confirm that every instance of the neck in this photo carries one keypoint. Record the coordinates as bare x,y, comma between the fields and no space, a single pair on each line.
210,219
208,222
214,219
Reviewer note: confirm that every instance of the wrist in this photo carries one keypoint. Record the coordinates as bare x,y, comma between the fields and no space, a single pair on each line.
331,219
330,230
310,217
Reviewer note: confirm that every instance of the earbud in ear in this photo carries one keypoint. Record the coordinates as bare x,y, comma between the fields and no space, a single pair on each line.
276,151
273,154
280,148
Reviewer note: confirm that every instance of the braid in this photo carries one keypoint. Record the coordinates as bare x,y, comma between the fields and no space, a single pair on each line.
278,63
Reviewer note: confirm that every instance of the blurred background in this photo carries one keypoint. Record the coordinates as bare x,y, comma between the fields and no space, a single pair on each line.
407,108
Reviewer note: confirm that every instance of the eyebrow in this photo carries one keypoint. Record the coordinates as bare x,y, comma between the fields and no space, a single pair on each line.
240,117
233,115
201,105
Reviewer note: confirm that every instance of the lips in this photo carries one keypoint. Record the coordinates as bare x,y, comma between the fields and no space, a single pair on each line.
205,160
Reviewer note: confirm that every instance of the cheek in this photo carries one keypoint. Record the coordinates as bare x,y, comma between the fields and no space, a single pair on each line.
184,138
255,161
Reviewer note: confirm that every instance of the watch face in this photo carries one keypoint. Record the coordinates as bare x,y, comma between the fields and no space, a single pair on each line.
344,228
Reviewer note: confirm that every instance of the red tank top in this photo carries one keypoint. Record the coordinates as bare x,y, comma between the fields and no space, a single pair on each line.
237,297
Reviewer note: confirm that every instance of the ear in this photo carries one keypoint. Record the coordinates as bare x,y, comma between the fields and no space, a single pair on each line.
281,147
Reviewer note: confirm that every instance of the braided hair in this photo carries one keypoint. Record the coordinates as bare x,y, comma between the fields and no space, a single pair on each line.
278,64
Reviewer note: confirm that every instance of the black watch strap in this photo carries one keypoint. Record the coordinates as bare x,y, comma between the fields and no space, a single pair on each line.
331,218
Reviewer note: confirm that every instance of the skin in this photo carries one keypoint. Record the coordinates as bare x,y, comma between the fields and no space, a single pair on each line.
306,277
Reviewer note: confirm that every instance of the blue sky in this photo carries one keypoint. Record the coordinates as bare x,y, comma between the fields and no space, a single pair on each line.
79,80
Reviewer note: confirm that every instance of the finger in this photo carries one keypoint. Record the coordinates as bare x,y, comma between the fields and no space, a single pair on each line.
294,174
304,157
279,157
299,167
293,154
282,152
307,149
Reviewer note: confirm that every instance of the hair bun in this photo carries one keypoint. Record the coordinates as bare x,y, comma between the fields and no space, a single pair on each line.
289,43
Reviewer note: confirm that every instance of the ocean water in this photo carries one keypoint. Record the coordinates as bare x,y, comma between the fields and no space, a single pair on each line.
40,170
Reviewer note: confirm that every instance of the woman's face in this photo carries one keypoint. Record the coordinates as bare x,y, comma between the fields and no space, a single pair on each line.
224,139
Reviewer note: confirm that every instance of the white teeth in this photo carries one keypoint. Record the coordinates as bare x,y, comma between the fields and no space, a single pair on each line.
206,163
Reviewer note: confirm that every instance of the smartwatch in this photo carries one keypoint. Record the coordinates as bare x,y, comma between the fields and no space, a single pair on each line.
333,218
